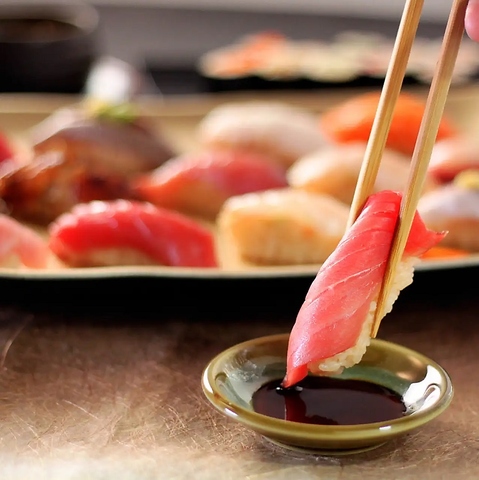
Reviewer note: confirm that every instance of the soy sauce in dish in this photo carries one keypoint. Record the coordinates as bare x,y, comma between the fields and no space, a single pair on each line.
329,401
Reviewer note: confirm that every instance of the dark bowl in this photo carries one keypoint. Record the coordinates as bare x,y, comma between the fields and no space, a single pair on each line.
46,47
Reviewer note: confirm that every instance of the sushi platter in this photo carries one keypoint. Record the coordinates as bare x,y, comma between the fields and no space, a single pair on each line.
178,119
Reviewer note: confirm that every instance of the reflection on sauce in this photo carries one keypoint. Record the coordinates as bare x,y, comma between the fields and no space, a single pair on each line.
328,401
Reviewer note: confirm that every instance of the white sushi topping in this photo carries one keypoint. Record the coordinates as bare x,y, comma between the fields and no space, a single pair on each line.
450,201
277,125
352,356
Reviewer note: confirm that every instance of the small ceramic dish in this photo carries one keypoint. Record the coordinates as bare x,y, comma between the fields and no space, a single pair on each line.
231,378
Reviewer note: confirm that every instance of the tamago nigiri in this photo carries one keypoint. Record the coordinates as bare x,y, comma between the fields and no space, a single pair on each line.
333,326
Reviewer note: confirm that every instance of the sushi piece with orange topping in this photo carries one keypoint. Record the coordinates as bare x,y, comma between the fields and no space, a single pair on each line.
352,121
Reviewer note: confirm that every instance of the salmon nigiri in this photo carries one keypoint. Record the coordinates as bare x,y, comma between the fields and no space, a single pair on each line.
333,327
123,232
199,183
20,241
352,120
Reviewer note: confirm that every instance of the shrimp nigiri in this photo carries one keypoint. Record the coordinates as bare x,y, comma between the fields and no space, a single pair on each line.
123,232
199,183
20,241
333,326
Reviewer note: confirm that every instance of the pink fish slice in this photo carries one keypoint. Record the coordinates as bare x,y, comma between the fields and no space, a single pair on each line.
199,183
21,241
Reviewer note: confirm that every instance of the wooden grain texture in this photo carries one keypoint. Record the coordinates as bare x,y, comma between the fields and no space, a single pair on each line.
113,391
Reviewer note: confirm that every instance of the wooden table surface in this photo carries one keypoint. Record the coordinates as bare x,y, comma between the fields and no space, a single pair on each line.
102,380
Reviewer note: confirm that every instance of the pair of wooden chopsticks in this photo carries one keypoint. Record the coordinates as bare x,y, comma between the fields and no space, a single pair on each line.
427,133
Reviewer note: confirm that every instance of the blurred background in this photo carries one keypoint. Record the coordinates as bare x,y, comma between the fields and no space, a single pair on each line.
167,39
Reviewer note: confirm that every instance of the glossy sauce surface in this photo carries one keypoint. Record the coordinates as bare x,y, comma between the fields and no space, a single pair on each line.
328,401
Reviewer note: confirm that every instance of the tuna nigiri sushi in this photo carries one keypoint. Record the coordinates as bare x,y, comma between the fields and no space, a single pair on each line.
352,120
124,232
19,242
199,183
333,326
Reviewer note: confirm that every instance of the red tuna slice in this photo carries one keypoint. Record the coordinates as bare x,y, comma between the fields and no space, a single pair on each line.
199,183
339,299
162,236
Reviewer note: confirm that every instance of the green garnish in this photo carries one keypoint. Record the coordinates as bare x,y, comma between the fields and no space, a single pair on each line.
120,113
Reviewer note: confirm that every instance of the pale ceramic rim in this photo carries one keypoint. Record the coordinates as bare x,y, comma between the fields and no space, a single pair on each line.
247,273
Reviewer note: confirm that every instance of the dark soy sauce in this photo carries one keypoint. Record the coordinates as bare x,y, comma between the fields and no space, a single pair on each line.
328,401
